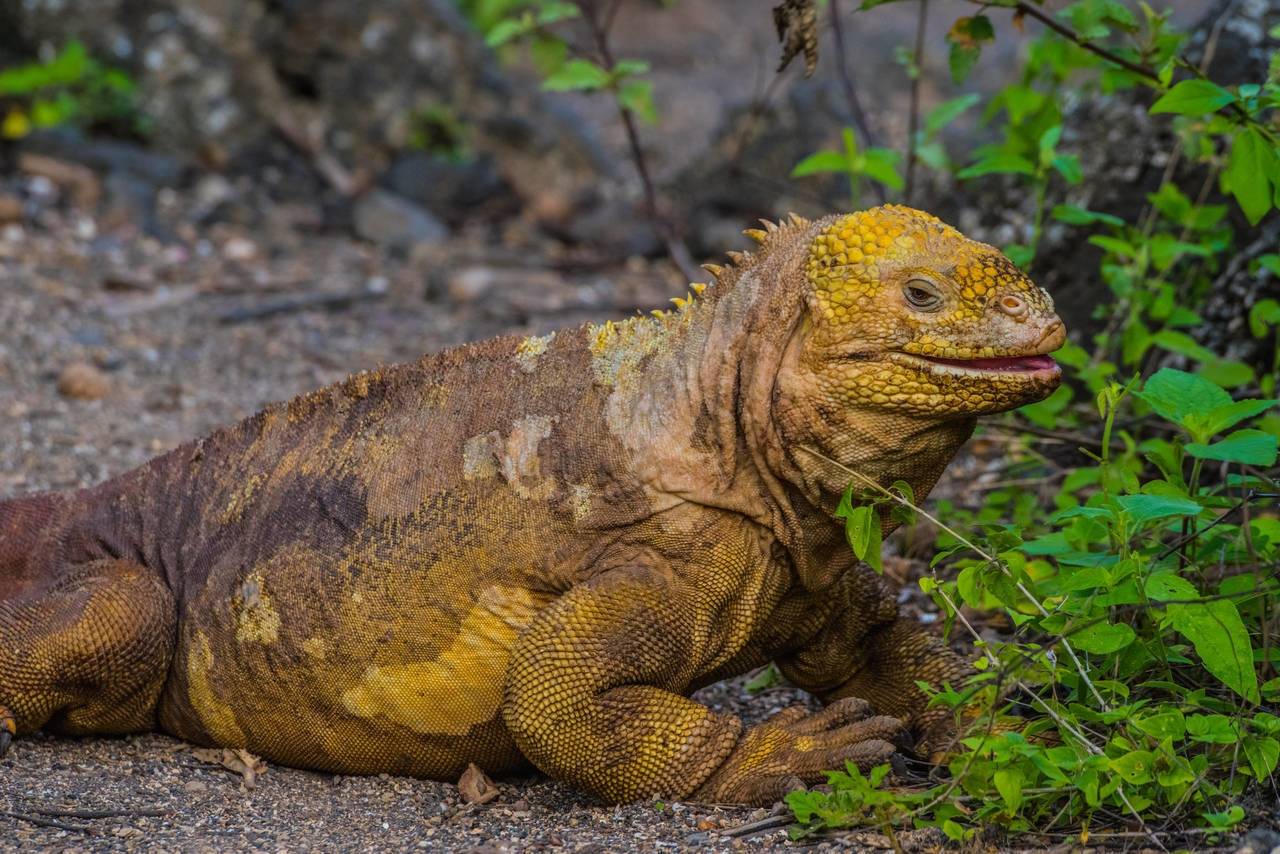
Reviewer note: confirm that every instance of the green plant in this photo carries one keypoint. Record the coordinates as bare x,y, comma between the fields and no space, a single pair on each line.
877,164
70,88
1138,684
1143,612
437,130
567,67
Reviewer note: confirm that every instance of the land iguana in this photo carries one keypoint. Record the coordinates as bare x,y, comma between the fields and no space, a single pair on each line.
532,551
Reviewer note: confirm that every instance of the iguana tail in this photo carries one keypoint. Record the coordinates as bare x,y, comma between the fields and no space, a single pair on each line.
24,524
84,646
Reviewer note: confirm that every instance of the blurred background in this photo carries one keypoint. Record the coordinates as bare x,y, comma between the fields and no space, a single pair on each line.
205,206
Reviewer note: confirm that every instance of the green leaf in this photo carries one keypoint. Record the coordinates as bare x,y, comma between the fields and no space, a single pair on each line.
1220,639
857,529
1165,587
577,75
820,162
1184,345
550,13
1009,784
629,68
947,112
1068,166
1164,724
1227,373
637,96
1193,98
1176,395
1148,508
1136,766
1264,314
1248,173
1251,447
881,164
1263,753
966,36
768,677
1075,215
548,54
1230,414
1103,638
1212,729
1000,163
506,30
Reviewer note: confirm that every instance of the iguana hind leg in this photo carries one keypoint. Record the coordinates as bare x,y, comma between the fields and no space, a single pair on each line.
88,653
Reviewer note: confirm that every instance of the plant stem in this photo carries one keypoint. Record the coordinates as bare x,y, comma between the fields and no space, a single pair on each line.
676,249
913,125
846,78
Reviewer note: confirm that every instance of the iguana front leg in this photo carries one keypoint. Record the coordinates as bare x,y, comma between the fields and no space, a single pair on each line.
593,697
867,651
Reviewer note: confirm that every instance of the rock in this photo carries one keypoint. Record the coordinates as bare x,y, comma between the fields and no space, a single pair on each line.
344,82
388,220
616,227
83,381
11,210
1260,840
74,179
239,249
131,200
108,155
195,787
448,187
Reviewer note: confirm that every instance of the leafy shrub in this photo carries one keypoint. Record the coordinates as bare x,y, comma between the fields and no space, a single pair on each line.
71,88
1138,685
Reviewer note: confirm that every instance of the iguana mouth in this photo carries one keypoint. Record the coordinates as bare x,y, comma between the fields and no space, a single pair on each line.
1037,363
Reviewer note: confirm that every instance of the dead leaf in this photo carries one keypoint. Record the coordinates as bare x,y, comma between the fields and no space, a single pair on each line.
797,24
476,787
236,760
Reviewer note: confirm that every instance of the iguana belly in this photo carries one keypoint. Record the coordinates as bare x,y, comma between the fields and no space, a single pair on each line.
352,670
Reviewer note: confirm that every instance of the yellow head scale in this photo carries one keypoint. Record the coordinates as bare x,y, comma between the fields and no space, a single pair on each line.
909,314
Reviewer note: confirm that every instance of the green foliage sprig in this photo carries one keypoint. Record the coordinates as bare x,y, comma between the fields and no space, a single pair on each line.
70,88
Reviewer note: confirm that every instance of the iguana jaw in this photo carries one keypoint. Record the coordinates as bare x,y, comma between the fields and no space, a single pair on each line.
1035,367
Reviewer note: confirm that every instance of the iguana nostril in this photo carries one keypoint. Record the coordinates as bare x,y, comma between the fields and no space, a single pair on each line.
1013,306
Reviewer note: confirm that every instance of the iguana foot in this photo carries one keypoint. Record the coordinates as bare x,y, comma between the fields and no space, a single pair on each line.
795,748
8,729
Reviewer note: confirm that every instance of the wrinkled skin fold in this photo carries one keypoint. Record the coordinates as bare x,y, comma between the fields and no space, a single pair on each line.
533,551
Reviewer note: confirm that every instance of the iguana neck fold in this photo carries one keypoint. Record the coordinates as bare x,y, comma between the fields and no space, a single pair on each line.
698,402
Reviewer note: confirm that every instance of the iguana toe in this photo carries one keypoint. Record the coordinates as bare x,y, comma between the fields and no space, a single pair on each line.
796,747
8,729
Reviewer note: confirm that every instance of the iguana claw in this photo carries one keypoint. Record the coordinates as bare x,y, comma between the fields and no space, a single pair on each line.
8,729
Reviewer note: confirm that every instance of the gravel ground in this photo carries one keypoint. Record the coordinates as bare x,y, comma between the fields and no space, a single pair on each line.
114,348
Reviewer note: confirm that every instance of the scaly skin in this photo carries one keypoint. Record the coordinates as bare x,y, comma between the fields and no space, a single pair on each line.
533,551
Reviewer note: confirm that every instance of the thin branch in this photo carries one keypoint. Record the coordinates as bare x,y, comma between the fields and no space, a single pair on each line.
914,121
1023,8
48,822
675,247
846,79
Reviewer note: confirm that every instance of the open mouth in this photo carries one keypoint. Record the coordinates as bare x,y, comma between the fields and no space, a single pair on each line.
1038,365
1000,363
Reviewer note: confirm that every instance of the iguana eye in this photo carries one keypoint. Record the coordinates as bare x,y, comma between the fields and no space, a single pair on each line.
922,295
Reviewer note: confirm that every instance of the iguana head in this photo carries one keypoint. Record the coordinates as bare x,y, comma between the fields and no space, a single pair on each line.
910,316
